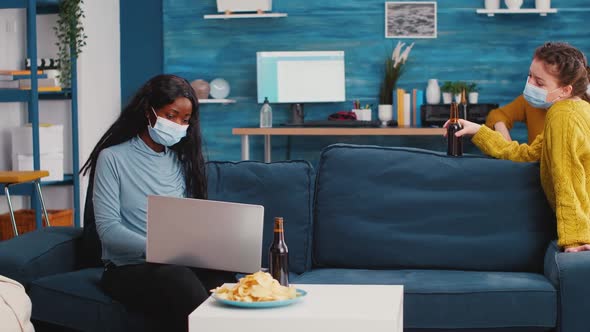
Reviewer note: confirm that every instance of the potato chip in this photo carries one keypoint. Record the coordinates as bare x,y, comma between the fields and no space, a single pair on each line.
257,287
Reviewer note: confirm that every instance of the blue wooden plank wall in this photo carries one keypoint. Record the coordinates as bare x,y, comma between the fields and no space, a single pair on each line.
493,51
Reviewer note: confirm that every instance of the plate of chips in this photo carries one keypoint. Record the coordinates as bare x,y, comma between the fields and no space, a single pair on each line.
258,290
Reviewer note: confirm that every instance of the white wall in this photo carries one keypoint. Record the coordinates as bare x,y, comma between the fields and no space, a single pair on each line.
99,99
99,70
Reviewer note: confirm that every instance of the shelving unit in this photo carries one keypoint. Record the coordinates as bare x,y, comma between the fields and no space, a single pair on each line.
216,101
492,12
32,97
231,16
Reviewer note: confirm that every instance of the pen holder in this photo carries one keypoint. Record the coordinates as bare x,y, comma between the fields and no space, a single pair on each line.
363,114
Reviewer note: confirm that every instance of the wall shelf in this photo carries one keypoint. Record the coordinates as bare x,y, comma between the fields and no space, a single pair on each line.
492,12
14,95
17,95
43,6
216,101
230,16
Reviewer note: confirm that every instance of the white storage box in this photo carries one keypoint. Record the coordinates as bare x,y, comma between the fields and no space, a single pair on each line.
51,162
244,5
51,139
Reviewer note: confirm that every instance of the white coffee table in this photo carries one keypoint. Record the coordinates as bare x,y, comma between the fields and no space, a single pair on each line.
342,308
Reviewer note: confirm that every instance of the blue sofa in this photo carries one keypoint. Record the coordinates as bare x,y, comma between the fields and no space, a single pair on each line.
470,239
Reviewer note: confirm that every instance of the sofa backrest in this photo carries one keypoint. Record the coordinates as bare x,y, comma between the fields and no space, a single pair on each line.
285,189
381,208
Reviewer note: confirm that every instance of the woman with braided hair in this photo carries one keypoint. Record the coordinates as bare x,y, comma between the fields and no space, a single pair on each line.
153,148
557,81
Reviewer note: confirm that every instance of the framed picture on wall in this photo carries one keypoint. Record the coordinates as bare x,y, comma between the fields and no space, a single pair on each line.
410,19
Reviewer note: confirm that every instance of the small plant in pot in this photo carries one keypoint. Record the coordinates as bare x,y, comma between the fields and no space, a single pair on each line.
473,92
447,92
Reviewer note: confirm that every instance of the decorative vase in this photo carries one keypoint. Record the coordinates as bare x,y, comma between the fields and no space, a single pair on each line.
458,98
243,6
447,97
219,88
543,4
385,114
201,88
433,92
473,97
513,4
492,4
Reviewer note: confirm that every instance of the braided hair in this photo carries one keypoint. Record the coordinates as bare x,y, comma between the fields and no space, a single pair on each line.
568,64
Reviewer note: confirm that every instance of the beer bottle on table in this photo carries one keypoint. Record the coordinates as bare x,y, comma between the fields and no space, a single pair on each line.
455,144
278,255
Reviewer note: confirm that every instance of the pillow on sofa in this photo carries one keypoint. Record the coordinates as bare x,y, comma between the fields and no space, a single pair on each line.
381,208
285,190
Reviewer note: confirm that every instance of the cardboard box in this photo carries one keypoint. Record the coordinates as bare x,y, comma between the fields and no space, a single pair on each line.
244,6
51,139
51,162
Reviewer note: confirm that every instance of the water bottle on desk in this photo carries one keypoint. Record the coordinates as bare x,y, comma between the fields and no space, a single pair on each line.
266,115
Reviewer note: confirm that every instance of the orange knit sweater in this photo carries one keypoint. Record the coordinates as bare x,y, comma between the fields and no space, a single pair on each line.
564,152
519,111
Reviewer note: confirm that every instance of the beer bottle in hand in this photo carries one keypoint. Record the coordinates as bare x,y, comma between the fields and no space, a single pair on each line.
455,144
278,255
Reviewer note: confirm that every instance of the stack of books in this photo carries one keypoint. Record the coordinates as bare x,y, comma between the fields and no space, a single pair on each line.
406,107
21,79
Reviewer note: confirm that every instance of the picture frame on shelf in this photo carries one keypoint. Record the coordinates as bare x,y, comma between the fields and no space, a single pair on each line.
411,19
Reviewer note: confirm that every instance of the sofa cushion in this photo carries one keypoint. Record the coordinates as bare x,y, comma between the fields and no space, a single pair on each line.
447,299
285,189
383,208
45,251
75,300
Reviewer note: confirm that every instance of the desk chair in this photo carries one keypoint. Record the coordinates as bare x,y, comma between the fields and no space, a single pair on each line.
17,177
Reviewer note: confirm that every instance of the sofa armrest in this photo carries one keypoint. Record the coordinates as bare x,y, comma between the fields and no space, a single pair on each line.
43,252
570,274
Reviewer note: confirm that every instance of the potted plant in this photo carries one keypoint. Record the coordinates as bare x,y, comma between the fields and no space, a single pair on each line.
70,37
394,66
447,92
473,92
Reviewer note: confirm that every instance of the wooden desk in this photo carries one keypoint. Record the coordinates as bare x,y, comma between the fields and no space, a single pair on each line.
311,131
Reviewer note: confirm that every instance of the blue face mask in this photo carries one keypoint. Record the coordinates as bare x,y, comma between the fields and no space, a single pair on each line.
166,132
537,97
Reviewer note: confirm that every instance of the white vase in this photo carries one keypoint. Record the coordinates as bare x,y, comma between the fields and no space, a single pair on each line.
244,6
492,4
433,92
543,4
385,114
458,98
513,4
473,97
447,97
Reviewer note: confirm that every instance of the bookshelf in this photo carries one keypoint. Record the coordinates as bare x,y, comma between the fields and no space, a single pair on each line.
33,97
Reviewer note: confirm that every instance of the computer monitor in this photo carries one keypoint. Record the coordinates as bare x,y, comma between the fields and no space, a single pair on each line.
301,77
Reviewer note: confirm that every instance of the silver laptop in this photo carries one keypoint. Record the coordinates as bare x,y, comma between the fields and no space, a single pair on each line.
205,234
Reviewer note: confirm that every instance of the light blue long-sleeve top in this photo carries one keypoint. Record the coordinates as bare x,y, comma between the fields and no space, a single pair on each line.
125,175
